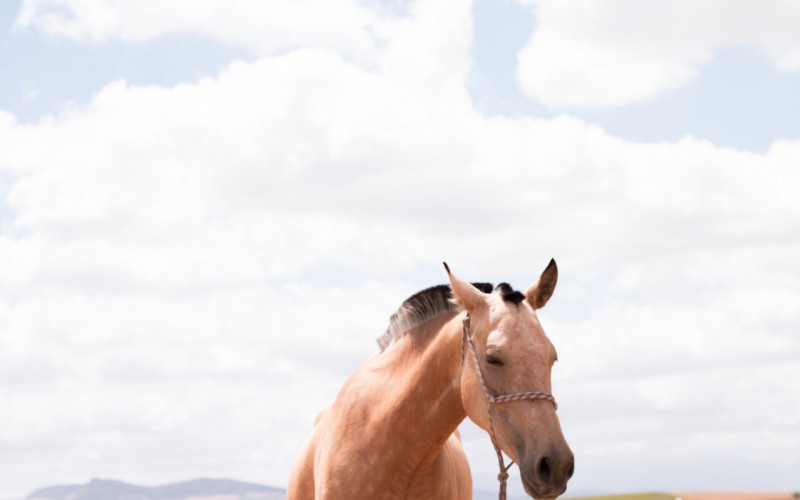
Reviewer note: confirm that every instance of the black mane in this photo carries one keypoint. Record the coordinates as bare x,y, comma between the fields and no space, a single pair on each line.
432,302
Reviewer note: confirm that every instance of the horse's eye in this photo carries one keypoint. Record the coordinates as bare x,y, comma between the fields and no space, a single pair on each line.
493,360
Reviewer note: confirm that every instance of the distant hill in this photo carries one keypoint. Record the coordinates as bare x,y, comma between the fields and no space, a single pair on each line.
770,495
198,489
226,489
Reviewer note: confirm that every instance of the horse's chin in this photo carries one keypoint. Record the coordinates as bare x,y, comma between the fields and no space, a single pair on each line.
536,490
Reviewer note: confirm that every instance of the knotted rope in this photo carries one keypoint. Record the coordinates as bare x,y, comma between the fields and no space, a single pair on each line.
494,400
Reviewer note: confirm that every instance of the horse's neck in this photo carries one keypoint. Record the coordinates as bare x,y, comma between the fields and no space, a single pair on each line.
394,415
423,397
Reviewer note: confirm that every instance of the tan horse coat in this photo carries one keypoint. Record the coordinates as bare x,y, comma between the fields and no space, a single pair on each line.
391,432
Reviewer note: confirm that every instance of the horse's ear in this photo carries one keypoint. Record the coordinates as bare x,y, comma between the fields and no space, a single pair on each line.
465,293
540,293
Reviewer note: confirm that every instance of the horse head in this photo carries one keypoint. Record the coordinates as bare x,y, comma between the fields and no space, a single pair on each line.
513,357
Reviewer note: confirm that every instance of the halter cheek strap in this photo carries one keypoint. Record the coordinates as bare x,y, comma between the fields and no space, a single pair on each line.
493,400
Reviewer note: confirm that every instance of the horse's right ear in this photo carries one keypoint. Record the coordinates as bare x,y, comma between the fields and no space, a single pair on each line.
539,293
465,294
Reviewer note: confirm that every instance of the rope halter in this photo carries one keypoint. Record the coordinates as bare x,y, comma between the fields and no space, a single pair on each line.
494,400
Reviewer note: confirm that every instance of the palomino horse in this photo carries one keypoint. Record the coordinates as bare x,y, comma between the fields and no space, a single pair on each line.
391,432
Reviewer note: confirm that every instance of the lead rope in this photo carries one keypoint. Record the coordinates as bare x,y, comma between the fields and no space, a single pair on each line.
493,400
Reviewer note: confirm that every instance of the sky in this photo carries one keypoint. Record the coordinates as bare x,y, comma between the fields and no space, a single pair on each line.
209,210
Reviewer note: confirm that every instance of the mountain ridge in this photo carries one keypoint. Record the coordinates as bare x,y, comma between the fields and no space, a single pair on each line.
194,489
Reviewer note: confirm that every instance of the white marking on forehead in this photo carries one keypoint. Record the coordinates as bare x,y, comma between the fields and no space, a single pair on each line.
514,323
497,339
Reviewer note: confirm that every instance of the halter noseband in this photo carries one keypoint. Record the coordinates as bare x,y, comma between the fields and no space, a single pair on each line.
493,400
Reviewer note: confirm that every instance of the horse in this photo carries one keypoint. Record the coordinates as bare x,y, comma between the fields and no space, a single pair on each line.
449,352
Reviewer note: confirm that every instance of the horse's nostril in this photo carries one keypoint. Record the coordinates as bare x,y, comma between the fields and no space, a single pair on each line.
544,468
571,469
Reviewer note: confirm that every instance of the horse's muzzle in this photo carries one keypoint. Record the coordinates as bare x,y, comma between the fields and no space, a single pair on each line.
545,476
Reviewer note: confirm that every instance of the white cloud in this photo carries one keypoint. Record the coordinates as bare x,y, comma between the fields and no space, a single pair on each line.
423,40
277,25
599,54
161,305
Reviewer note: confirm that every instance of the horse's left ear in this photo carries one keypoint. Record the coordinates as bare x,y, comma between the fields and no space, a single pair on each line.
540,293
465,293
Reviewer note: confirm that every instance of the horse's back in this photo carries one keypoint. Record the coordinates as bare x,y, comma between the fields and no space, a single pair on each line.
301,482
448,477
460,467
